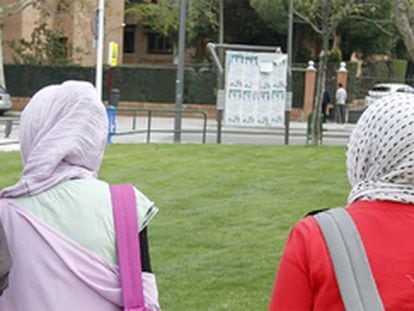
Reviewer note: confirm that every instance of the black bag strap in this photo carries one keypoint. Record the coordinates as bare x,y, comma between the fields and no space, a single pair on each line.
353,272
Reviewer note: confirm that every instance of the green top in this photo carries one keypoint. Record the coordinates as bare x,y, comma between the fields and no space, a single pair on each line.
81,210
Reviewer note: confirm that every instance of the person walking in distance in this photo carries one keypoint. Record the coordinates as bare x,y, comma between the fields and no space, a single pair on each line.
340,101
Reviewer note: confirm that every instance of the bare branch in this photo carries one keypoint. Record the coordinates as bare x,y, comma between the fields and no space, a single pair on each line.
308,21
14,7
375,22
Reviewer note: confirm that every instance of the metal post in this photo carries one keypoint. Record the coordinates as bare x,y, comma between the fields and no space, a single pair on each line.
289,73
134,121
220,76
180,73
109,92
220,86
149,126
99,50
221,28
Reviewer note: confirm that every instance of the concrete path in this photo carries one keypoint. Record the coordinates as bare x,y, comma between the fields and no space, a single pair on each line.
333,134
162,132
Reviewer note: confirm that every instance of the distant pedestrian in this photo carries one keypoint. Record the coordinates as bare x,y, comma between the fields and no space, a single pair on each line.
340,101
325,101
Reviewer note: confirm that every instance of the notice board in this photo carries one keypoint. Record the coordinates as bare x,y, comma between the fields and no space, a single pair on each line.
255,89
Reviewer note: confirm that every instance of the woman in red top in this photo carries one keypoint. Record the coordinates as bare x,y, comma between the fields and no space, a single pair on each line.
380,164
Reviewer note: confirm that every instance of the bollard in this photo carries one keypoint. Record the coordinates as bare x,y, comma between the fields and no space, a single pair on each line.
111,111
114,100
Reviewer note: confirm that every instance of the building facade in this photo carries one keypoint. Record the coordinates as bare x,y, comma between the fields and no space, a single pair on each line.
76,20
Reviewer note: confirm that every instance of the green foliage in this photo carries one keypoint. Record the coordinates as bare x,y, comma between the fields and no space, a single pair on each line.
399,69
163,17
335,54
45,47
304,55
358,21
243,25
136,83
274,13
374,26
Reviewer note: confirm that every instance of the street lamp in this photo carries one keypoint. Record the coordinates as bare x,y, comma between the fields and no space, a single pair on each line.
289,72
180,72
99,49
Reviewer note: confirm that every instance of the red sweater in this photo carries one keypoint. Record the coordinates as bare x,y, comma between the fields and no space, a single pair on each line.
306,281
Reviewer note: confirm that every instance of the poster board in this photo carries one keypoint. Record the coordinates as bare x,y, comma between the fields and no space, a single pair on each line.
255,89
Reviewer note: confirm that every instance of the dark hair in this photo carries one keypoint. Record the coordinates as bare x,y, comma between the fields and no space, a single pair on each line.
340,84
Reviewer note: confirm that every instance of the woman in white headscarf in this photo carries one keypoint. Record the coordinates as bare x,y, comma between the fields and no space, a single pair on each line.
380,163
58,217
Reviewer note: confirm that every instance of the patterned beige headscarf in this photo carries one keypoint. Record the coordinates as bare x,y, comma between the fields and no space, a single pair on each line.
380,156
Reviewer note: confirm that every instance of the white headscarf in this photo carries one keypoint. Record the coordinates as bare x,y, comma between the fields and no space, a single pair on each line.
380,156
62,136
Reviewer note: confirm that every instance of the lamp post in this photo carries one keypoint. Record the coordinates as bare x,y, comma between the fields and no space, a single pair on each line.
289,73
221,27
99,49
179,82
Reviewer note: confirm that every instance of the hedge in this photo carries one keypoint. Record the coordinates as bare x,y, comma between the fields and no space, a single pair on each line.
149,83
145,84
136,83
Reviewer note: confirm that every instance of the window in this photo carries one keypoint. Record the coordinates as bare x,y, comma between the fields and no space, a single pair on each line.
157,44
63,48
129,39
62,7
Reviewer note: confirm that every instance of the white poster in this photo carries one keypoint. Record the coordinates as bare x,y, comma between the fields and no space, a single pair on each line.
255,89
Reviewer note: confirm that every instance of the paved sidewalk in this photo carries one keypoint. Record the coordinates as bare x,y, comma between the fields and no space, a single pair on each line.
162,132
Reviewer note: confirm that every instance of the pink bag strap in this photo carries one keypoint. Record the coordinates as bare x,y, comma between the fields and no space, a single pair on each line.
127,241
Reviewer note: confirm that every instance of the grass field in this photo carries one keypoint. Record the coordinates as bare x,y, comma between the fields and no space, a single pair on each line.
225,213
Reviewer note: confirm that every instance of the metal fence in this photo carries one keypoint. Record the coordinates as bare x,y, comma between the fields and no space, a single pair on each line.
150,113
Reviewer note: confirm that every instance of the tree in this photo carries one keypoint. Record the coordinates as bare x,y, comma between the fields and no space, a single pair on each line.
243,25
163,17
373,26
404,20
275,14
7,9
324,17
45,47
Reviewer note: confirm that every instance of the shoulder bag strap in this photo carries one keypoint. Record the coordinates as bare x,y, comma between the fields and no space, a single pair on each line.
127,240
353,272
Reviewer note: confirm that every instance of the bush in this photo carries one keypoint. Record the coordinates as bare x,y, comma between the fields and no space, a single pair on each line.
136,83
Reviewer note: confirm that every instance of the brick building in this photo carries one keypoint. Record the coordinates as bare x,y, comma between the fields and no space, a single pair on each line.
137,44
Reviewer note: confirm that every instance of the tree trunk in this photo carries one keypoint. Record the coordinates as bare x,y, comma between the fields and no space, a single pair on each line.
404,26
327,30
320,83
2,78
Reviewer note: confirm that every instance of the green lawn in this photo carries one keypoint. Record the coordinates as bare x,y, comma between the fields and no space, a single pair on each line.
225,212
